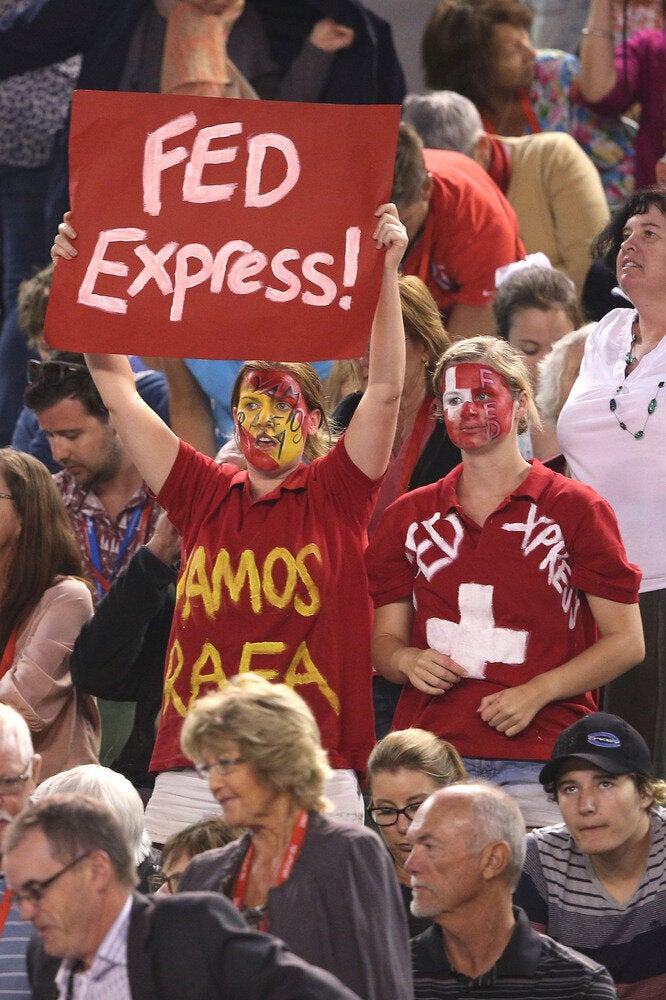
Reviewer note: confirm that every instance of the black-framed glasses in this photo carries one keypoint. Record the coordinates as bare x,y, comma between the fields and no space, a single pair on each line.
389,815
156,881
223,766
33,891
52,372
12,786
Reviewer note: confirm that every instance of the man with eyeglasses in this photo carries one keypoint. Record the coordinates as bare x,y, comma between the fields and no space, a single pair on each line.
72,875
19,771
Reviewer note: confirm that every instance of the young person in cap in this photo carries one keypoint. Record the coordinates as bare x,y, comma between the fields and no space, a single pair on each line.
597,882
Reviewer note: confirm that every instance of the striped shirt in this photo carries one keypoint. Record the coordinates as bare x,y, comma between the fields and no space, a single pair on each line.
85,508
561,893
107,978
531,967
13,945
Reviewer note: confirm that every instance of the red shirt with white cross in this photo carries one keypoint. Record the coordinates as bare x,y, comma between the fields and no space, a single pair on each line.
506,601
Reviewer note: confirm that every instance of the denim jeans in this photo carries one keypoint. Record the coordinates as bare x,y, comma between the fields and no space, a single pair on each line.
26,237
520,779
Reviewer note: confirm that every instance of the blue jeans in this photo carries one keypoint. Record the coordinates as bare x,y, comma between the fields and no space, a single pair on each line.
26,237
520,779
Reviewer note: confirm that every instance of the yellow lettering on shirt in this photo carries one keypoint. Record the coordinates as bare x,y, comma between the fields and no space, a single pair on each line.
302,670
208,670
174,665
251,649
271,585
313,591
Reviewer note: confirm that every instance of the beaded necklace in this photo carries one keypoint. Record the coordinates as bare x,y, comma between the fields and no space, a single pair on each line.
629,359
651,407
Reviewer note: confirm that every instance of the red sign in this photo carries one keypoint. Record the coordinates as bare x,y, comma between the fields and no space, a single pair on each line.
220,228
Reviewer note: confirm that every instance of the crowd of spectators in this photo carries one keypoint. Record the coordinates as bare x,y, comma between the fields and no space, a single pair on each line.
403,614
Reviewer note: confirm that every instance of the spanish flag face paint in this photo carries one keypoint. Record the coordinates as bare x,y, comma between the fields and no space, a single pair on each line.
273,420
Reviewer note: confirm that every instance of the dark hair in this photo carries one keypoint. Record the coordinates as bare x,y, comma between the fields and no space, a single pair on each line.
535,288
77,385
315,444
410,170
608,242
74,825
458,48
197,838
46,546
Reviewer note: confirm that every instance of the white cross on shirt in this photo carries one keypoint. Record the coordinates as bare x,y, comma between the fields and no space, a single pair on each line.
476,641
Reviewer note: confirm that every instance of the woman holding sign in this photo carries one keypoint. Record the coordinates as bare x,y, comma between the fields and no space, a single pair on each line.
272,578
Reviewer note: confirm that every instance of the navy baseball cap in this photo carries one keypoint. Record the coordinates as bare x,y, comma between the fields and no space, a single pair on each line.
601,739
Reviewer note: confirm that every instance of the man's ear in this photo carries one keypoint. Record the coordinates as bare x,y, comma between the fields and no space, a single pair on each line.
36,767
426,187
496,857
483,151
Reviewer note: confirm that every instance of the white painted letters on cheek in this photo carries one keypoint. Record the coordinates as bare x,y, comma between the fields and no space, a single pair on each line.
193,189
155,160
256,148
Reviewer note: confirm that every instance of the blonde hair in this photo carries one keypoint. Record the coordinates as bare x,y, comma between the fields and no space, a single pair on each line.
502,358
275,731
417,750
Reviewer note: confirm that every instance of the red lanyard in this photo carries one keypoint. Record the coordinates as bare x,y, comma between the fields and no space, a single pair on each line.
4,908
414,446
5,664
288,861
528,114
528,111
427,240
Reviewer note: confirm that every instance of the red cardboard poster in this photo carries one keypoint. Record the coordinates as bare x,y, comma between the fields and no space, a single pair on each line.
219,228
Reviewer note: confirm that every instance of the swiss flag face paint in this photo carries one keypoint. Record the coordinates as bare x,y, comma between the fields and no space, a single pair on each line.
273,419
477,405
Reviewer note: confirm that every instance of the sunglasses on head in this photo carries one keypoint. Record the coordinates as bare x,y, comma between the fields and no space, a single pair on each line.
52,372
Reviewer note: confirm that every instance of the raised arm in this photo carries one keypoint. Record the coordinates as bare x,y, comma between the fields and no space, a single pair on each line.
370,434
152,445
619,647
597,52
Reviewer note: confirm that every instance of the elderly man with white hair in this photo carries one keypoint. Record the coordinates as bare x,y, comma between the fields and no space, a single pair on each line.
119,794
19,771
468,848
549,181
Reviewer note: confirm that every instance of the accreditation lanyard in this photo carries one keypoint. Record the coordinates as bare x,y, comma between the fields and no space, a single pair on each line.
102,582
528,114
414,446
5,903
5,664
288,862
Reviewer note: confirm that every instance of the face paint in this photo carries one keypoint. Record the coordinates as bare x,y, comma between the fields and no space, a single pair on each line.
477,405
273,419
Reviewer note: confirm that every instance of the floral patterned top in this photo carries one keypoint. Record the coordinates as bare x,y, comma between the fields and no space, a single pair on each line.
607,140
